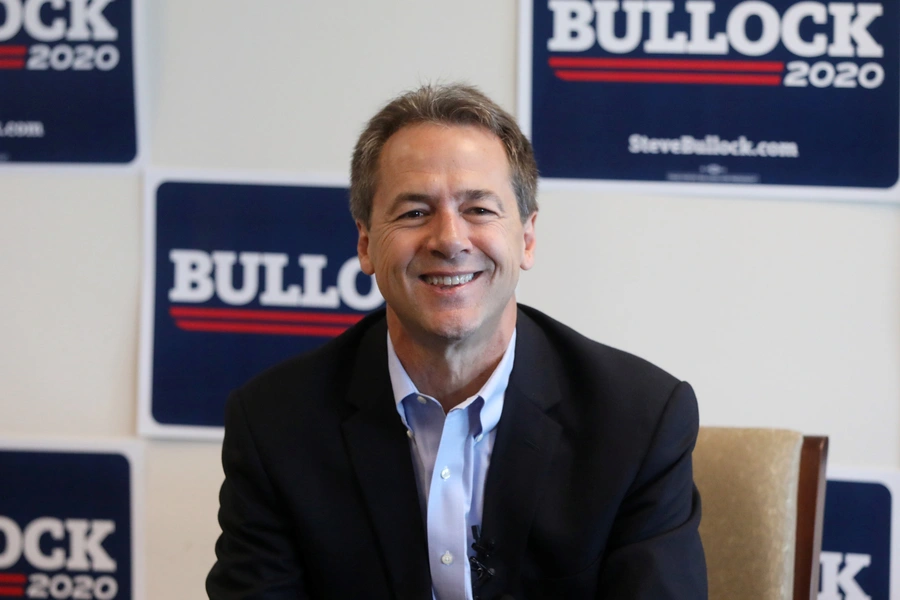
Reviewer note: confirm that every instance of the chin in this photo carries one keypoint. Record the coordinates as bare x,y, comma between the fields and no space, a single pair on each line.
452,331
451,327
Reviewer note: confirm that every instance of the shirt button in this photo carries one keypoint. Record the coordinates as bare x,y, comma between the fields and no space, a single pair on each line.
478,437
409,433
447,558
445,474
422,399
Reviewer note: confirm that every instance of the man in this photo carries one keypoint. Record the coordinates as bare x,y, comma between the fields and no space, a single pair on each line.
456,445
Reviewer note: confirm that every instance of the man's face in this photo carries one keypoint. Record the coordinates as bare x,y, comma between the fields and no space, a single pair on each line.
446,241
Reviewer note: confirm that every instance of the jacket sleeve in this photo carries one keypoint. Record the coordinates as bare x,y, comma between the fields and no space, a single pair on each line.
654,552
256,558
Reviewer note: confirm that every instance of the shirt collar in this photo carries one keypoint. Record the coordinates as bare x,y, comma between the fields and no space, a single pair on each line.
492,392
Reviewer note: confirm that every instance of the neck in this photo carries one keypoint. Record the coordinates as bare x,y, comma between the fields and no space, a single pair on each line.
452,370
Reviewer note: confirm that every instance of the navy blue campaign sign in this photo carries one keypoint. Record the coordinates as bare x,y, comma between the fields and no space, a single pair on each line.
774,92
67,81
66,522
245,275
859,543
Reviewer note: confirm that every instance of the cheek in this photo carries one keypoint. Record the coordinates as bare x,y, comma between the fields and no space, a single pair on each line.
505,248
392,252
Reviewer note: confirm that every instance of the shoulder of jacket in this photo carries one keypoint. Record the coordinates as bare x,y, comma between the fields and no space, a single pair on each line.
592,361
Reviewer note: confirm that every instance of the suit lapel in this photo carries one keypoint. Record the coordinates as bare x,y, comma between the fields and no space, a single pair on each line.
523,451
379,450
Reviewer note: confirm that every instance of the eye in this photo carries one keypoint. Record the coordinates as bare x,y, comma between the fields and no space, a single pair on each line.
480,211
412,214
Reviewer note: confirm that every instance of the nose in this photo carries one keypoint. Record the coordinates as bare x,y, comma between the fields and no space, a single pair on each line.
449,236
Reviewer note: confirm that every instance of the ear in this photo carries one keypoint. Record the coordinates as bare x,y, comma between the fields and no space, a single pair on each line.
362,249
528,233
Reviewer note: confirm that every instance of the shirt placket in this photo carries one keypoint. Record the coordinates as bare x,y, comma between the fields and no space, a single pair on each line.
447,507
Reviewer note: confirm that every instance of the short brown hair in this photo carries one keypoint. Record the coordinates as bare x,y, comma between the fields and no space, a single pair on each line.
453,104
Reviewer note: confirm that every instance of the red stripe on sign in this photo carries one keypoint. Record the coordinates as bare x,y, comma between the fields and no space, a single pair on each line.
11,63
14,592
12,578
708,78
263,315
667,64
264,328
13,50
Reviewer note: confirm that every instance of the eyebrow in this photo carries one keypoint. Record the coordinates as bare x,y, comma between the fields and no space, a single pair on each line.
482,195
410,197
467,195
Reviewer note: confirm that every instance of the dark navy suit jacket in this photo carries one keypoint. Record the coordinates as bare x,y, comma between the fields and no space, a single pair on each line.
589,492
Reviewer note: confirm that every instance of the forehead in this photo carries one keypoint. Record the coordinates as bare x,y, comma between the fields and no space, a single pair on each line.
424,148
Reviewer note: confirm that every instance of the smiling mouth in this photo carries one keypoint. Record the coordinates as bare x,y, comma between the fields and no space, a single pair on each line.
448,280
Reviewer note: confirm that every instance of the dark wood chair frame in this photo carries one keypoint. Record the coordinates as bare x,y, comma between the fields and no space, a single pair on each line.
810,515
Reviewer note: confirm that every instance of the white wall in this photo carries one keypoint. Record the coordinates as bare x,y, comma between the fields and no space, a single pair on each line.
780,313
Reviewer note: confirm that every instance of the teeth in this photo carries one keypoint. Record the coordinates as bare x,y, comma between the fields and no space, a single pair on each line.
449,280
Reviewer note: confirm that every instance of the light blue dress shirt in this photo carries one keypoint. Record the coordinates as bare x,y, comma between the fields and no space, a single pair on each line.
451,453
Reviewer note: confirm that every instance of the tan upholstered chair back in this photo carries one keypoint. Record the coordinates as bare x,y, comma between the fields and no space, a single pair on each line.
748,480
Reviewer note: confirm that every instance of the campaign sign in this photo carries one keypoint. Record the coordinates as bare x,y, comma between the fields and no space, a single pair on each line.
859,559
66,522
241,276
729,92
67,81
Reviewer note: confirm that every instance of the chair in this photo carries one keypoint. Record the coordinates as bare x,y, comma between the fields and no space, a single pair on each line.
763,500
